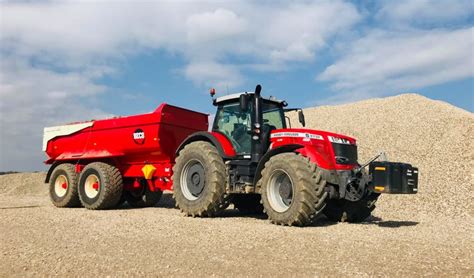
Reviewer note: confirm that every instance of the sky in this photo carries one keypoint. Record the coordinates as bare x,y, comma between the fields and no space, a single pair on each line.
69,61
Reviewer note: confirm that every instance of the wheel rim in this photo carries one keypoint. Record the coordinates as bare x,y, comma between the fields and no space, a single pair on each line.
60,186
91,186
193,180
280,191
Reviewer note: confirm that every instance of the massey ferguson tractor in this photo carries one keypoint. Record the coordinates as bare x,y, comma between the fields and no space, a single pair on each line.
250,159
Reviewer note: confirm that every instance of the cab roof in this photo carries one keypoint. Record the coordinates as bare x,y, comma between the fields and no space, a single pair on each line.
236,96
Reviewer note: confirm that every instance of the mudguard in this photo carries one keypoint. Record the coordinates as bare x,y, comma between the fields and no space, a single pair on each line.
219,140
305,150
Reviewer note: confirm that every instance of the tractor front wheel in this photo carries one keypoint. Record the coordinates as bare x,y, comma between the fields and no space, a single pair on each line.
199,180
292,190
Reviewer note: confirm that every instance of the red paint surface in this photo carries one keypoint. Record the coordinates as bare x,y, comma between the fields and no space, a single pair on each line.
318,151
113,139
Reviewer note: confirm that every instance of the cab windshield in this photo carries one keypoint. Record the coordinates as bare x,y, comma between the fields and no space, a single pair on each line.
273,115
236,124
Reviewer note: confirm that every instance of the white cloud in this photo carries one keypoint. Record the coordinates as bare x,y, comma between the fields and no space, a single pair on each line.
53,53
33,98
385,62
214,75
405,12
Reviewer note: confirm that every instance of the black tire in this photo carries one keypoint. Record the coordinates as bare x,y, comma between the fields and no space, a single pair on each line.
353,212
248,203
307,187
60,196
142,197
109,186
199,180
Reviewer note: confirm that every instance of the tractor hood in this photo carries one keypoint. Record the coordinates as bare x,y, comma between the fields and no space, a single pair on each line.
329,150
301,135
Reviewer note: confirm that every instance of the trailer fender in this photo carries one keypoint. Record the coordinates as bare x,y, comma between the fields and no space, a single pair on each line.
218,140
51,169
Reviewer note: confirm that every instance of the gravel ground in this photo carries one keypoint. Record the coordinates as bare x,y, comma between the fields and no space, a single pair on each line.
431,233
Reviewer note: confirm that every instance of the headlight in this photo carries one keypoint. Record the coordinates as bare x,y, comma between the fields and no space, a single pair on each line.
339,140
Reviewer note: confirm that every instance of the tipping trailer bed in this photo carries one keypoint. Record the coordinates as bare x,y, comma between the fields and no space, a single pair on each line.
130,143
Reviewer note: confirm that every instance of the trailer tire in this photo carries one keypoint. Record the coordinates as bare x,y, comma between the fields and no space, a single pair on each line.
63,186
100,186
143,198
292,190
248,203
199,180
348,211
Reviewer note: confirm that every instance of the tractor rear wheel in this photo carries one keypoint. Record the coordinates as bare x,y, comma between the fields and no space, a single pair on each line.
142,197
348,211
292,190
248,203
199,180
100,186
63,186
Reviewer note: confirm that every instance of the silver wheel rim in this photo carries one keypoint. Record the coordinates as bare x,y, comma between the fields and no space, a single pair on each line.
91,186
280,191
184,181
60,186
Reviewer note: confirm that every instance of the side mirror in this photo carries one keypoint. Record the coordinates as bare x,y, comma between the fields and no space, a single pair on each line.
301,118
244,102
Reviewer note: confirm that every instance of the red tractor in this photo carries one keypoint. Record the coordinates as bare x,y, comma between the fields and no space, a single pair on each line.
249,158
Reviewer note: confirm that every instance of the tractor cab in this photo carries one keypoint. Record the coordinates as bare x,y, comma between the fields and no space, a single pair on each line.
247,120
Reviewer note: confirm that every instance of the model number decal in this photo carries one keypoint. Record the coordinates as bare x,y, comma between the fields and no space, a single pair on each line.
297,134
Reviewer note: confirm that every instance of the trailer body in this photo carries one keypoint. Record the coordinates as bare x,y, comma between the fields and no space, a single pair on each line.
139,146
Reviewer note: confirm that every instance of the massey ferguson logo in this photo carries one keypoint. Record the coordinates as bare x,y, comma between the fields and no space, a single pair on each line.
139,137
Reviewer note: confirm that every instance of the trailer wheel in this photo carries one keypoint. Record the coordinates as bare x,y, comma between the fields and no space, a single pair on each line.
100,186
199,180
347,211
142,197
63,186
248,203
292,190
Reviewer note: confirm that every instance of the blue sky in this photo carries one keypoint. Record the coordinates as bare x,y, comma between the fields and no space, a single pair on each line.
70,61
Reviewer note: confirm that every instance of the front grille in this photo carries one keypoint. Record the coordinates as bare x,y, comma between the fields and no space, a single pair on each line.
345,154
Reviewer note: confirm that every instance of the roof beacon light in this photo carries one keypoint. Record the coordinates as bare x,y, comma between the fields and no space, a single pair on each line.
212,92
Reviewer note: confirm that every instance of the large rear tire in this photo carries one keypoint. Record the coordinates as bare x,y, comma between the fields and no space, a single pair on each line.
248,203
100,186
353,212
63,186
199,180
292,190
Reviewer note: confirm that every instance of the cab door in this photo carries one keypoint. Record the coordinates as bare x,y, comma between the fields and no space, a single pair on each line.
235,124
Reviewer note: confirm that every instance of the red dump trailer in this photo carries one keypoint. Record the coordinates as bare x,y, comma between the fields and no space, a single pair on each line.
141,147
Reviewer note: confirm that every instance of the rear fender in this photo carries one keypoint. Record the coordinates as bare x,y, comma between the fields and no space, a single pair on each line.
218,140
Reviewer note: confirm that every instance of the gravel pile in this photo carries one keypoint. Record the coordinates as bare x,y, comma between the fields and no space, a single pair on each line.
430,233
435,136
